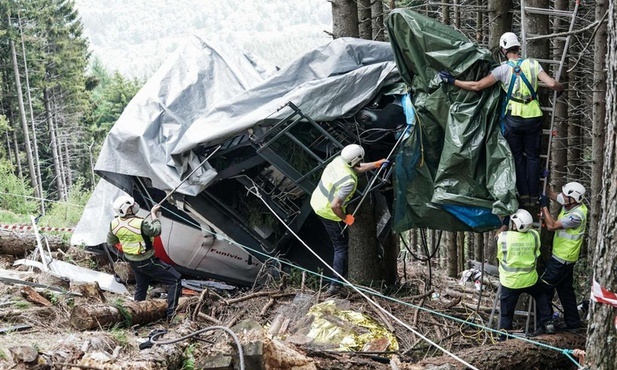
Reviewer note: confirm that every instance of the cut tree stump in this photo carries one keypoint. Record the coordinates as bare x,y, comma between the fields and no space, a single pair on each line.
513,354
18,244
93,316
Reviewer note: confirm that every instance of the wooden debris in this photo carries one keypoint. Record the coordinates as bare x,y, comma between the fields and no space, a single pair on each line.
89,316
89,290
31,296
19,243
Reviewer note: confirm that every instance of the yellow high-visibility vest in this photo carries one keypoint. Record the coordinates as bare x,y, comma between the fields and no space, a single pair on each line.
517,255
128,230
567,242
336,174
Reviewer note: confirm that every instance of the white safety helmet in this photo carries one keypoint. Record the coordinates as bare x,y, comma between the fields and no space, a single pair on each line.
509,40
522,220
575,190
122,205
352,154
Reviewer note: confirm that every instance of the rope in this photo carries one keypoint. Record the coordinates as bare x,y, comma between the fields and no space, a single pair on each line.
361,289
368,299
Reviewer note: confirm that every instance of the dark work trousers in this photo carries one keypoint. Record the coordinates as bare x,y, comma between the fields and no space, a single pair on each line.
340,243
560,276
509,298
524,136
155,269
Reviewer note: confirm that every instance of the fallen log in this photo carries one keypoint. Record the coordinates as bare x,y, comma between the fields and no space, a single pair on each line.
93,316
18,243
513,354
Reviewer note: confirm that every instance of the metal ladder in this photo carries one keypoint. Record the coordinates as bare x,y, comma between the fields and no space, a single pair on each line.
562,14
529,313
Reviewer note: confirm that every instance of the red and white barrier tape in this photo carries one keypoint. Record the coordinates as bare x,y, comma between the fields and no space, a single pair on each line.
601,295
30,227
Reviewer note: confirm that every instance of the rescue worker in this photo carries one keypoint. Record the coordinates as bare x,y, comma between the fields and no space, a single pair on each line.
329,201
518,248
569,230
132,235
521,114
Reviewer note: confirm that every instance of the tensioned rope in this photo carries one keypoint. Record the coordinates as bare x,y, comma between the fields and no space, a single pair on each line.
361,290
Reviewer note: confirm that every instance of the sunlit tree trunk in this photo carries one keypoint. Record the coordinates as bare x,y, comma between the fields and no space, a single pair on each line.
451,254
37,163
24,122
53,143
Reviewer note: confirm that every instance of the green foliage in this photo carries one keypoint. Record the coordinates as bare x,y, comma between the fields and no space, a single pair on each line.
3,355
189,358
67,214
16,193
120,336
22,304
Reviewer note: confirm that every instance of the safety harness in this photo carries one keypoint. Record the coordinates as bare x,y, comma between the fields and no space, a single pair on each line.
516,69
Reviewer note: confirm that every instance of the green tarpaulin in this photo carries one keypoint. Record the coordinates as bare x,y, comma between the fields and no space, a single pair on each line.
455,171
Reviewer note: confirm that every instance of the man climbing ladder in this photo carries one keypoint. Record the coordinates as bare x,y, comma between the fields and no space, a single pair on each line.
521,114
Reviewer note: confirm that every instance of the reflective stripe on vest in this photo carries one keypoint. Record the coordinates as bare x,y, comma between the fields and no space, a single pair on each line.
567,242
128,231
336,174
522,101
517,258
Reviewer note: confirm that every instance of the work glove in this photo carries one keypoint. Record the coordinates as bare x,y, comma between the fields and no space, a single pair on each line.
544,174
506,221
543,201
382,163
156,209
560,93
349,220
446,77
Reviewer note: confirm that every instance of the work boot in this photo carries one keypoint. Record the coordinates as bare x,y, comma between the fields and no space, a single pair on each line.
333,290
540,331
550,328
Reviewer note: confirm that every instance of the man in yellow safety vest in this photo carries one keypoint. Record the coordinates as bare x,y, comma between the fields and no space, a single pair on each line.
569,229
521,114
518,248
132,235
329,201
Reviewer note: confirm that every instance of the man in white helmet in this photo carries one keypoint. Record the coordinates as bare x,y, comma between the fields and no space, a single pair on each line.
569,228
521,114
133,235
518,248
329,201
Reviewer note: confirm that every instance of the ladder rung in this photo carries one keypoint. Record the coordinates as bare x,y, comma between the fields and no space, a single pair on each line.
546,109
532,37
545,11
546,132
551,61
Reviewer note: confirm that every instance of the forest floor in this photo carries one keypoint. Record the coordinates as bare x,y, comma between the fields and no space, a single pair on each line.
274,326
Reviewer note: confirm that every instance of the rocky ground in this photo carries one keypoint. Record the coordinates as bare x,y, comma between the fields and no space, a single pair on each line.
284,324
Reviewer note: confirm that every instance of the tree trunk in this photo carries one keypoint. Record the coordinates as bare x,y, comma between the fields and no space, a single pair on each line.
501,21
24,122
451,254
601,349
511,355
54,144
344,18
377,12
89,317
18,244
364,20
598,121
39,179
364,259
